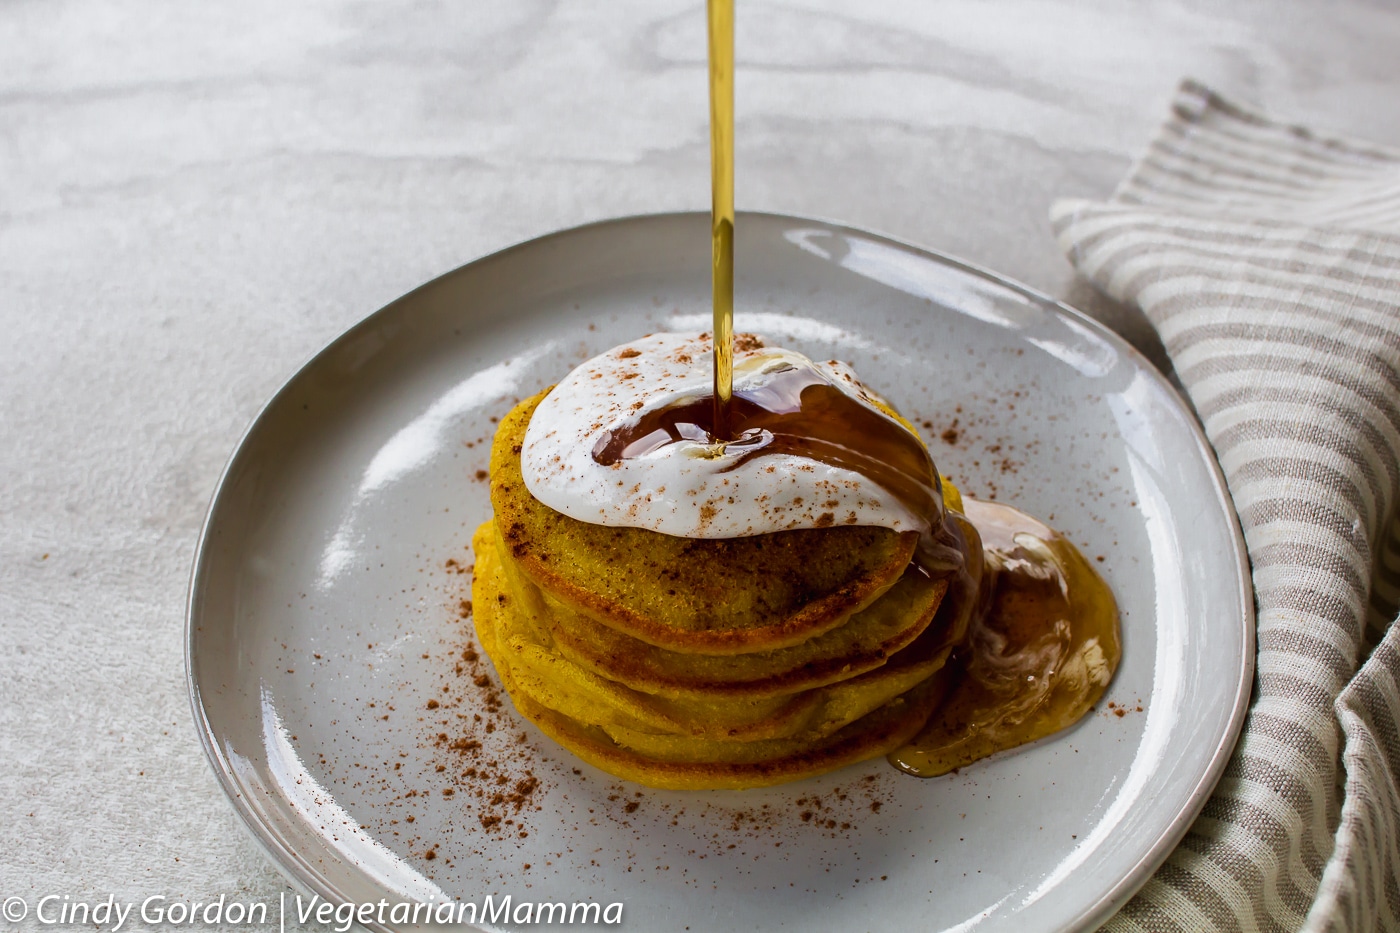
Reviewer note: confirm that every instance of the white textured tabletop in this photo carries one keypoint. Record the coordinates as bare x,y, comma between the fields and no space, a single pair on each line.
196,197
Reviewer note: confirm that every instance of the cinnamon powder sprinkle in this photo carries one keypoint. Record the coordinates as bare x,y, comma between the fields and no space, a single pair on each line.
501,789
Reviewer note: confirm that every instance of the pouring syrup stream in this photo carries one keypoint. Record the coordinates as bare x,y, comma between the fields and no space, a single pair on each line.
721,29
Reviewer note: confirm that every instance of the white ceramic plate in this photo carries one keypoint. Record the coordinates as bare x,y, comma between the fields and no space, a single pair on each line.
323,617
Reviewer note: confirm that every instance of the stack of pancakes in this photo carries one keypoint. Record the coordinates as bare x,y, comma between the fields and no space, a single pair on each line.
706,663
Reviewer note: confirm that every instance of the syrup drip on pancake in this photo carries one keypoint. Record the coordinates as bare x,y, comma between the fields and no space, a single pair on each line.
1041,624
1041,648
696,486
799,411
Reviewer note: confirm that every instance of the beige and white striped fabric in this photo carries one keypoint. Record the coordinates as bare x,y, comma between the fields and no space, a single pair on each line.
1268,257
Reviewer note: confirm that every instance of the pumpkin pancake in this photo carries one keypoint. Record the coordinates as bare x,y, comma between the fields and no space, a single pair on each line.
696,596
862,643
869,737
556,683
756,764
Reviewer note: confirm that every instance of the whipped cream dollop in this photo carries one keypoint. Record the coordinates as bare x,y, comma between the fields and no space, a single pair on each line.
691,487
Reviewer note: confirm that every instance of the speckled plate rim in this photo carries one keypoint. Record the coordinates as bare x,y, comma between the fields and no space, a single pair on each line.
304,877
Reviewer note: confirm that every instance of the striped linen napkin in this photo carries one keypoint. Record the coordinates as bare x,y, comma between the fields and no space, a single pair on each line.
1268,258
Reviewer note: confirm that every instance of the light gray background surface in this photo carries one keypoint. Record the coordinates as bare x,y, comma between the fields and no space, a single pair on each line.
196,197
